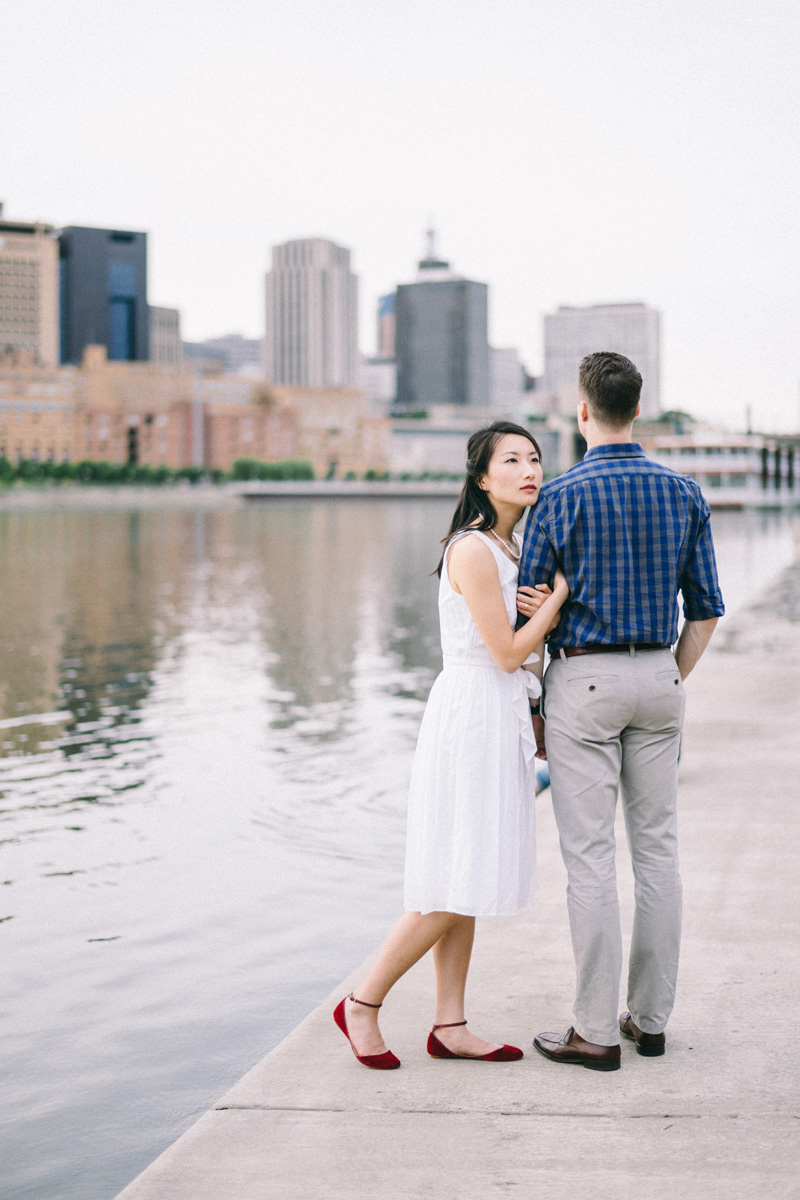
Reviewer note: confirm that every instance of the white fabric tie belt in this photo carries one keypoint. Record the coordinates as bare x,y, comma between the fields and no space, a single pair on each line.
526,688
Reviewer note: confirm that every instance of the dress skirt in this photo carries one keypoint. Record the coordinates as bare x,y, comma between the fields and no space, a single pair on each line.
471,819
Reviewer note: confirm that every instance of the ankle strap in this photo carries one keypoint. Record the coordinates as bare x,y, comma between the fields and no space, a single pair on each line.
366,1003
450,1025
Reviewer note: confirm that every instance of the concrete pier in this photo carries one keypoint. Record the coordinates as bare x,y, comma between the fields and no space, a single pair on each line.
339,489
68,497
717,1117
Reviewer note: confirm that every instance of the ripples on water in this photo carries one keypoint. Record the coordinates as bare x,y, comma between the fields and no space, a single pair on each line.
204,829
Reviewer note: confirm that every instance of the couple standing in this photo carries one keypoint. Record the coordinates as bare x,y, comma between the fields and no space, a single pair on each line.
607,548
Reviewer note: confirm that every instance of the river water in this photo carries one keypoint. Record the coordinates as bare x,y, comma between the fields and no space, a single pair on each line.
206,728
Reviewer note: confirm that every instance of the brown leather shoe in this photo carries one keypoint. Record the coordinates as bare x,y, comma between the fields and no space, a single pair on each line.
648,1044
571,1048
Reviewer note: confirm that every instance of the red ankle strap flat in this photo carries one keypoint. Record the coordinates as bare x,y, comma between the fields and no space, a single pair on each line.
376,1062
437,1049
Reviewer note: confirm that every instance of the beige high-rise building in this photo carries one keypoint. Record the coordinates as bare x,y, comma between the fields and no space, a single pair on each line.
165,344
506,380
29,290
571,333
310,335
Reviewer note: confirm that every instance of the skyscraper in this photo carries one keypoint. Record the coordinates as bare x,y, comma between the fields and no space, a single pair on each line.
165,335
29,290
311,328
630,329
104,293
441,337
507,379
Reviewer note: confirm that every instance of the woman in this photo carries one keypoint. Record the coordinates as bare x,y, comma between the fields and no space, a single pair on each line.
471,825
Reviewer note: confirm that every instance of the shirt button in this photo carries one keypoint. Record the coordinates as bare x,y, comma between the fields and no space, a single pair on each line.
591,687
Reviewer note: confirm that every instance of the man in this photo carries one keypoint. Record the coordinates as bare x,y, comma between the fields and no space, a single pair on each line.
629,535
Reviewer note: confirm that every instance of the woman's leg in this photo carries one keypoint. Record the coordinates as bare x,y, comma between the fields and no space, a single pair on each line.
410,939
451,954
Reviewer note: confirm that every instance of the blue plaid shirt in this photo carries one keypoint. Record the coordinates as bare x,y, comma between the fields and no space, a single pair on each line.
629,535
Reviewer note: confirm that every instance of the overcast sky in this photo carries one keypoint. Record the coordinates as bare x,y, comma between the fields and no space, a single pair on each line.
568,151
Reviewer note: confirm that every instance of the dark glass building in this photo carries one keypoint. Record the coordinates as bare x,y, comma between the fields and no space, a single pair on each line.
104,293
441,339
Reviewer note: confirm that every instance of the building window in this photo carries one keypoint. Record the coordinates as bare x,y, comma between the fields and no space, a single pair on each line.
122,298
121,345
121,280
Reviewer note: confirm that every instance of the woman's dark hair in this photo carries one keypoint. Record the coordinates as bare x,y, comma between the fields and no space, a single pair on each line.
474,509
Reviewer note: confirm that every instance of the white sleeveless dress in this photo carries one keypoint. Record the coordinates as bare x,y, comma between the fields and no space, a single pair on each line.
471,845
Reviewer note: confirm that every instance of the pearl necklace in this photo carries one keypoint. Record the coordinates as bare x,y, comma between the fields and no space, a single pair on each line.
512,550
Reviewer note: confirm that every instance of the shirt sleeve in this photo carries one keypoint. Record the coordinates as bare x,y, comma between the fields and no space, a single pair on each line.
539,562
702,598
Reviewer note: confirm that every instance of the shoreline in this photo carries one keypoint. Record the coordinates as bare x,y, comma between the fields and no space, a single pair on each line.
716,1116
84,496
214,495
69,497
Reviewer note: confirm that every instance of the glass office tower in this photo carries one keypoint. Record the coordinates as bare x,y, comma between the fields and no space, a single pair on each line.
441,338
104,293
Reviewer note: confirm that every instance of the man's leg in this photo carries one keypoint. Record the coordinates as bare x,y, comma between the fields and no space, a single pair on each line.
649,798
585,711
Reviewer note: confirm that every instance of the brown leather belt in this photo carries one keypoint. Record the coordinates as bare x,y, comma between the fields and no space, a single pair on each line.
619,648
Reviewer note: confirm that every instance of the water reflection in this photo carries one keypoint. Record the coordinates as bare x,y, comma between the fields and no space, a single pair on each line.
243,690
213,834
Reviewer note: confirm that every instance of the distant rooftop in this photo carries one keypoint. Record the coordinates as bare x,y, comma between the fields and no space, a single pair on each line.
23,226
593,307
432,268
119,234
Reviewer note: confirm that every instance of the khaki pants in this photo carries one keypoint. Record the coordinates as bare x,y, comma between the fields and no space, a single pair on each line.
613,723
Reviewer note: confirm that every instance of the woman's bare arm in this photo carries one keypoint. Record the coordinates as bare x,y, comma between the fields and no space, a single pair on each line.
472,571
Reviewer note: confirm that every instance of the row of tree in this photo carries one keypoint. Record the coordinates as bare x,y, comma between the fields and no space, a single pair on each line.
29,470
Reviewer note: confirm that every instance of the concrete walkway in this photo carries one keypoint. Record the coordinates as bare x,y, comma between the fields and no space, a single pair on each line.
717,1117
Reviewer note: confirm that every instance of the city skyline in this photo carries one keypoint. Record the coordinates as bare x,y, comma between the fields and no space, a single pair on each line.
311,323
568,156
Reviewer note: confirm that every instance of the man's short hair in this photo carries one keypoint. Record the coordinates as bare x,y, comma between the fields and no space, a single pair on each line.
612,386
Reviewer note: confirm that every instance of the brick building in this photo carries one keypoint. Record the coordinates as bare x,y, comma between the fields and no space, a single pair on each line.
163,414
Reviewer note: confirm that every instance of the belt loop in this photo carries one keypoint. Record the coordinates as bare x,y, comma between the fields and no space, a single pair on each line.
632,649
562,655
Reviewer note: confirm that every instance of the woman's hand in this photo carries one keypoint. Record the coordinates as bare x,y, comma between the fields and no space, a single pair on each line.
530,600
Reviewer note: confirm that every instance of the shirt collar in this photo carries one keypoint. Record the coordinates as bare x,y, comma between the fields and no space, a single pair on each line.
615,450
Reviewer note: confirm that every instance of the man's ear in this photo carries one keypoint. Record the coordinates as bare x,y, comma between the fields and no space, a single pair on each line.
583,411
